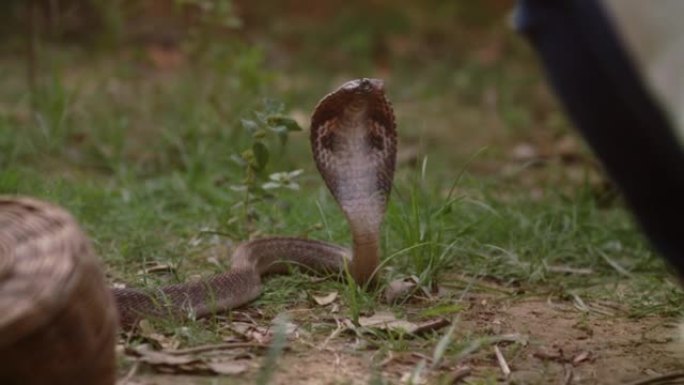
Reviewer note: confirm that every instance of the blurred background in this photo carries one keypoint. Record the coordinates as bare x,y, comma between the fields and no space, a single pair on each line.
197,110
460,78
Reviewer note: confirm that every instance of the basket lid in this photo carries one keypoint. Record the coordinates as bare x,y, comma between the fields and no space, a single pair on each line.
41,247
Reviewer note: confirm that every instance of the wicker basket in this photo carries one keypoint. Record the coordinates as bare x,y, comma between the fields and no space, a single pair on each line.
57,317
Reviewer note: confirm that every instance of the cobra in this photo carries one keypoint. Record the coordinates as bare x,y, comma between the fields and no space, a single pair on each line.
58,312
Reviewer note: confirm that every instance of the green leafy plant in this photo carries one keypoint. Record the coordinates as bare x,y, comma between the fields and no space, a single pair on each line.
265,127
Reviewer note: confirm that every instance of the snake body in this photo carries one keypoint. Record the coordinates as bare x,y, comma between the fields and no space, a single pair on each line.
58,314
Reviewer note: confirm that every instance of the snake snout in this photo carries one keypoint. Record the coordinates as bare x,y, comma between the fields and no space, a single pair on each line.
369,85
363,86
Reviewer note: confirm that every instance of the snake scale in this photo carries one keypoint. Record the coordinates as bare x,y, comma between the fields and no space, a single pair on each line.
58,318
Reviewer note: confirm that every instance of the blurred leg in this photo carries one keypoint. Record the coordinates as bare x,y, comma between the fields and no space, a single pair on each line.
605,97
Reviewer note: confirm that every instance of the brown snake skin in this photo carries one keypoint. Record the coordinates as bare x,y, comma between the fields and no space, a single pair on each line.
58,321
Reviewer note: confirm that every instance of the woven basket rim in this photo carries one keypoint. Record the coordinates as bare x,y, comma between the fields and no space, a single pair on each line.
20,316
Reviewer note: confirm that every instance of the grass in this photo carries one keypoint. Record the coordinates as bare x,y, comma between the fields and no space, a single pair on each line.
155,168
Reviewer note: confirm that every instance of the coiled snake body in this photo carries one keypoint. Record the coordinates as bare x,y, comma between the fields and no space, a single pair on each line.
58,320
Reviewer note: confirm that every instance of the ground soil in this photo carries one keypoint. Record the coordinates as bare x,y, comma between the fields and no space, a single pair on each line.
558,344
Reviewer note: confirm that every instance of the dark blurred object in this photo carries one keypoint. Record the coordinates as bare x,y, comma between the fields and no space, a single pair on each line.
607,94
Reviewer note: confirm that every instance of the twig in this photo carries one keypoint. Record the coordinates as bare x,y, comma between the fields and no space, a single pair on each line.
340,328
581,357
212,347
431,325
130,374
386,361
505,369
459,374
579,303
616,266
486,341
582,306
569,270
421,356
674,378
569,375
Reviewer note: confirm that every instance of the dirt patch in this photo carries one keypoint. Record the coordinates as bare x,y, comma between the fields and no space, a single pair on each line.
568,346
556,344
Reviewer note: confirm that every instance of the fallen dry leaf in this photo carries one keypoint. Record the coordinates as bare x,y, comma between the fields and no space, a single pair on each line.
261,334
387,321
398,288
325,299
412,377
524,151
147,331
291,330
431,325
168,362
156,267
228,367
458,375
215,348
147,355
581,357
251,332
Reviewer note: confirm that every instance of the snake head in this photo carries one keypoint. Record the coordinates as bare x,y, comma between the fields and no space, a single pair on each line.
363,86
355,96
354,143
353,138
